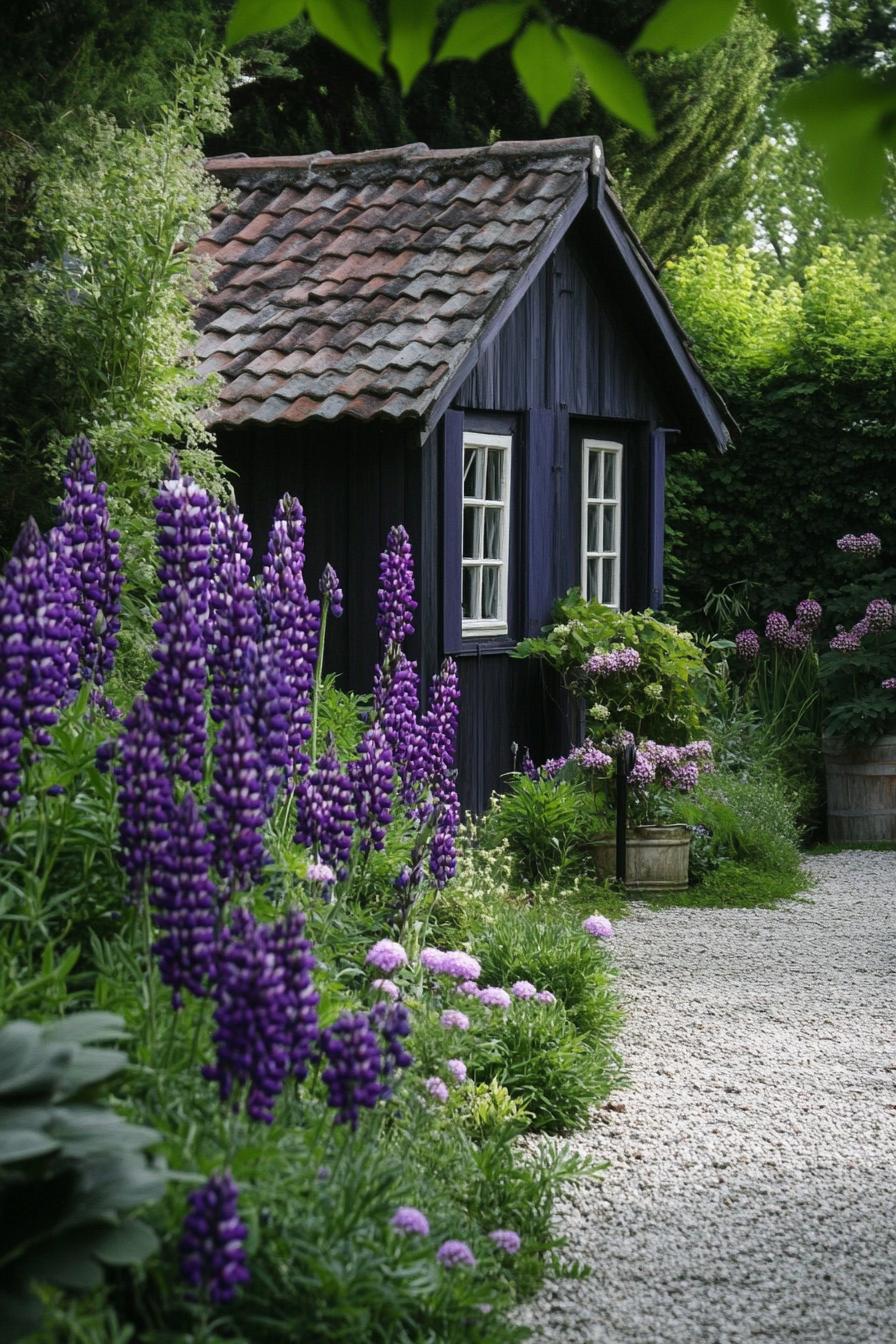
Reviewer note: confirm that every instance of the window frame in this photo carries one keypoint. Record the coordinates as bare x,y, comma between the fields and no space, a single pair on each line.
617,448
477,627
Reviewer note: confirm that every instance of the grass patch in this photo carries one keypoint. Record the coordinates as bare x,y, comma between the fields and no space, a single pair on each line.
875,847
738,886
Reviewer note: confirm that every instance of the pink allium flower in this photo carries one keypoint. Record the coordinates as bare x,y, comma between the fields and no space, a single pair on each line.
866,543
879,614
469,987
454,1253
431,958
505,1240
452,1019
458,1070
408,1219
845,642
387,956
437,1088
387,987
523,989
598,926
889,684
460,965
746,645
493,997
320,872
545,996
808,613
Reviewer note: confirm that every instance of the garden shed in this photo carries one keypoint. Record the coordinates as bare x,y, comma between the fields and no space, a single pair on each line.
471,342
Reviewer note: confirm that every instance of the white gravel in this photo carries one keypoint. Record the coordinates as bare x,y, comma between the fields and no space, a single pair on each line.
752,1187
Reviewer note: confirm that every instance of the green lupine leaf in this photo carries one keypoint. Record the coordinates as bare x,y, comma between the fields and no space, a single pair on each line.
611,79
686,25
412,25
780,15
476,31
544,68
249,17
349,25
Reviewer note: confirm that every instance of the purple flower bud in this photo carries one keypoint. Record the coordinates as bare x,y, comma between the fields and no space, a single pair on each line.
331,590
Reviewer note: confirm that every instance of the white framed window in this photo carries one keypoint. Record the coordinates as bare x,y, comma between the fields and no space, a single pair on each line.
601,520
486,533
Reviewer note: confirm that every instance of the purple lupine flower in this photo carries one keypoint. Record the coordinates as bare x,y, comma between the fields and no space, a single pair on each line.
866,543
387,987
879,614
408,1219
325,816
396,699
89,552
353,1075
437,1089
458,1070
184,902
746,645
235,624
493,997
183,533
266,702
292,625
395,598
553,766
808,613
590,757
528,766
777,628
505,1240
523,989
330,590
545,996
454,1020
453,1254
176,689
371,780
386,955
440,732
265,1009
393,1022
212,1254
145,794
888,684
598,926
236,806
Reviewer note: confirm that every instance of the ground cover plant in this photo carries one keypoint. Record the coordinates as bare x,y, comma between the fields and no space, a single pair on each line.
249,881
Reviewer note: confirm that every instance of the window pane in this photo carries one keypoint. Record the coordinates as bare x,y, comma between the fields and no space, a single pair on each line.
469,471
610,461
492,543
593,474
593,528
609,541
471,531
593,584
469,592
494,482
490,577
608,578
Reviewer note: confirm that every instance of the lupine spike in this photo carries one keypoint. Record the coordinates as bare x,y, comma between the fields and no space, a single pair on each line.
371,778
176,689
145,795
235,625
184,901
440,731
395,599
212,1255
325,813
237,806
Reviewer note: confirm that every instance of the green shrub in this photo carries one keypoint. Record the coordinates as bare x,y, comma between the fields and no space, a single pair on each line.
750,819
544,823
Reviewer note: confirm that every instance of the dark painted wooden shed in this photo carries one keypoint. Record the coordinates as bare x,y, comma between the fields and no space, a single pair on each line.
471,342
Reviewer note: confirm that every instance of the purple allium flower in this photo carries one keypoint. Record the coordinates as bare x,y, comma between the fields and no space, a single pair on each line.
798,638
331,591
320,872
590,757
846,641
505,1240
387,987
889,684
598,926
523,989
437,1089
808,613
452,1254
176,689
184,901
291,625
371,780
386,955
236,807
459,965
866,543
453,1019
393,1022
553,766
325,815
879,614
777,628
545,996
212,1255
235,625
431,959
458,1070
493,997
145,794
353,1075
746,645
395,599
266,1009
470,988
408,1219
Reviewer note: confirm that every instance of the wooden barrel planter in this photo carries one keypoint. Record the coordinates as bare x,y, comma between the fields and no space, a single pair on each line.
656,857
861,790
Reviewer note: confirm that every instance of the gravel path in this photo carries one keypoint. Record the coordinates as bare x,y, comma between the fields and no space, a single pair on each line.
752,1187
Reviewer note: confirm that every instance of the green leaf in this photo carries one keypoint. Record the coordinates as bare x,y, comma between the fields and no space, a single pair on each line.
476,31
249,17
611,79
686,25
412,24
129,1244
90,1066
65,1261
348,24
18,1145
543,65
21,1315
79,1028
780,15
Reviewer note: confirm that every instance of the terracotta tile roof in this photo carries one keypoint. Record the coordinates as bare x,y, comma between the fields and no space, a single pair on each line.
357,285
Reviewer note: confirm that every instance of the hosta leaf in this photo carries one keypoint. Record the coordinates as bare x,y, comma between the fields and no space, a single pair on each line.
18,1145
90,1066
21,1315
611,79
685,25
249,17
476,31
86,1130
780,15
28,1066
412,25
128,1244
81,1028
543,65
348,24
65,1261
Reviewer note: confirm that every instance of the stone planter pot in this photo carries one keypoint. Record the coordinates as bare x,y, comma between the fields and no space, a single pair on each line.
861,790
656,857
